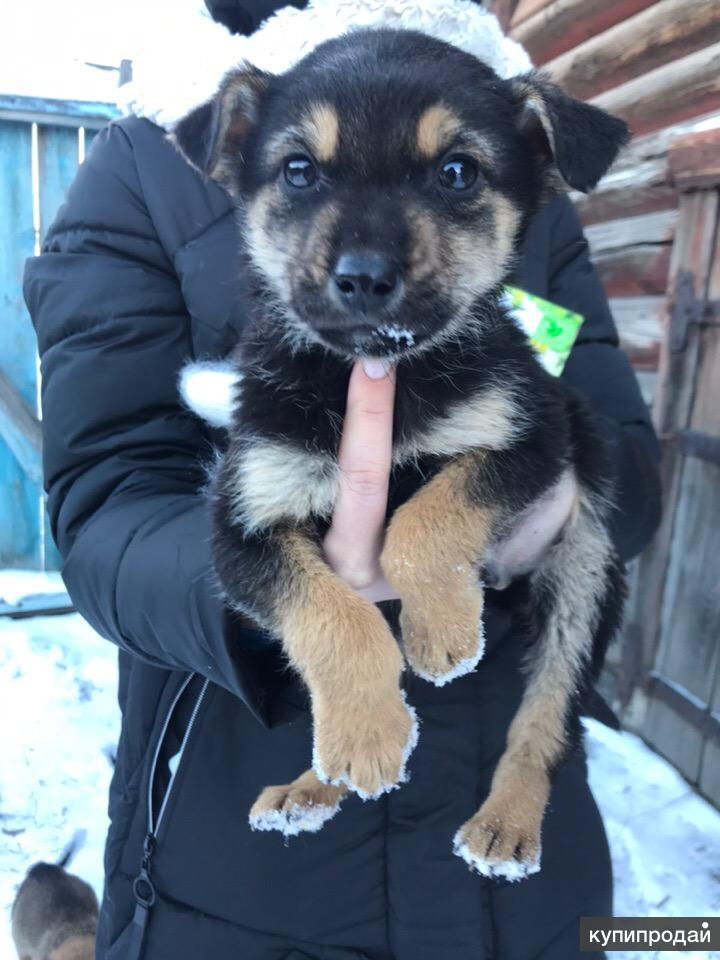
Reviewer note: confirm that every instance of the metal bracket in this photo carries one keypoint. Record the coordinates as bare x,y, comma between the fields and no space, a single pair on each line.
689,309
37,605
694,443
681,701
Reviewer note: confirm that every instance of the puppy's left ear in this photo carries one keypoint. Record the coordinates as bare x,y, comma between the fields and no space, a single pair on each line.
212,136
575,140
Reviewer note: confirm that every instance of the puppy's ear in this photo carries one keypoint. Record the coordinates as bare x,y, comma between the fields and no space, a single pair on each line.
213,135
575,140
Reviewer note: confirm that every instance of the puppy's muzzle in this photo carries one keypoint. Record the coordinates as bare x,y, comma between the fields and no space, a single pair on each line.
365,282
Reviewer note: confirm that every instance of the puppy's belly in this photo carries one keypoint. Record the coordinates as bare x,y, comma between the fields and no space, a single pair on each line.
276,481
532,534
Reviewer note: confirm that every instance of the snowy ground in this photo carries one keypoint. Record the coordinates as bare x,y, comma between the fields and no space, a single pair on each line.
59,722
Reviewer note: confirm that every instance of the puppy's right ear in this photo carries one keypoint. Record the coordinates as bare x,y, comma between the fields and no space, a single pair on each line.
212,136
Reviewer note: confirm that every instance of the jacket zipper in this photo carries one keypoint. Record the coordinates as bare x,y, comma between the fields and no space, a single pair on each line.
143,887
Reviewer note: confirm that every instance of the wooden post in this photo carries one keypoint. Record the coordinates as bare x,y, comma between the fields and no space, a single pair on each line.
503,10
675,614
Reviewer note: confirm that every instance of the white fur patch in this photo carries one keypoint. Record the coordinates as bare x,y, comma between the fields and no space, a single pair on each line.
386,788
276,481
163,89
461,668
490,420
512,870
297,819
208,389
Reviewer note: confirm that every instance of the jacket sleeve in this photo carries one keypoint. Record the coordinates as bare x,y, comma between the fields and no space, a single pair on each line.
122,458
599,370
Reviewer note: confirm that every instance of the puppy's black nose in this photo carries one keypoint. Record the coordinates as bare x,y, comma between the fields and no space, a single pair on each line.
365,280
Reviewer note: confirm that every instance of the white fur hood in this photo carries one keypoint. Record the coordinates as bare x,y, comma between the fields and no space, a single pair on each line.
185,69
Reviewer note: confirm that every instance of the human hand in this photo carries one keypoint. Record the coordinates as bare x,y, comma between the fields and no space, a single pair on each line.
354,541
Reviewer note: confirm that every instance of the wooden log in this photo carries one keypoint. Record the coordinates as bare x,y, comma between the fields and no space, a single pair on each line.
561,25
527,8
643,196
640,181
635,271
653,37
639,324
674,92
629,231
695,160
503,10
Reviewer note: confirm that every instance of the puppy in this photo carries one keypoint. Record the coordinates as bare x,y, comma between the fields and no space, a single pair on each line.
383,185
54,916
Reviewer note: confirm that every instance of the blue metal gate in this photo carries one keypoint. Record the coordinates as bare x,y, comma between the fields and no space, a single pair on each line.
41,143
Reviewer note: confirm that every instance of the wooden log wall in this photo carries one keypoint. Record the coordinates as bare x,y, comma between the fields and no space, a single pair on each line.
652,226
655,63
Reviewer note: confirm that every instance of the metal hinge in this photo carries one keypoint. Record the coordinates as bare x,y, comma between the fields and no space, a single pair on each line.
689,309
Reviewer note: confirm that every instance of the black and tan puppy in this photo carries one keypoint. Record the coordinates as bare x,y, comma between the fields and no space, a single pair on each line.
54,916
383,185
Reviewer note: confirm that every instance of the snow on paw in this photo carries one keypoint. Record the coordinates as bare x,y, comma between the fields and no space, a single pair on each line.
366,750
303,806
440,650
498,846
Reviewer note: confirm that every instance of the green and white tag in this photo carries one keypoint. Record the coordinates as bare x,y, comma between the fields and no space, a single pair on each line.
552,330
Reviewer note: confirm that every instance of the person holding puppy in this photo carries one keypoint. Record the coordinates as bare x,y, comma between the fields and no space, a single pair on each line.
138,274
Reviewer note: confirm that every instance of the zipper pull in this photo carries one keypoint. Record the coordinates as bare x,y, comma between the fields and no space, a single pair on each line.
144,899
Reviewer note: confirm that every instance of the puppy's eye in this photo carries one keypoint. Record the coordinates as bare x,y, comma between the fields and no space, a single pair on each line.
458,173
300,172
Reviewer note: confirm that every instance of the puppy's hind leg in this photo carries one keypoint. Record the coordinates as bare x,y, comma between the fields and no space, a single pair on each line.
303,806
572,590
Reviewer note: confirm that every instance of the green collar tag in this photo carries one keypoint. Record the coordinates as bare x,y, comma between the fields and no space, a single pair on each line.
551,329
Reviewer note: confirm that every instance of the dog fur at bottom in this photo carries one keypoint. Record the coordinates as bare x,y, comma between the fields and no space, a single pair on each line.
511,870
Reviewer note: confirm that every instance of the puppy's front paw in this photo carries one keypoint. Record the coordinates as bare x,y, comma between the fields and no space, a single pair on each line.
503,838
443,641
303,806
365,745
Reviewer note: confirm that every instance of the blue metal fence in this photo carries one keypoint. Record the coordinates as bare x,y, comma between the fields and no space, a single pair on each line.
44,135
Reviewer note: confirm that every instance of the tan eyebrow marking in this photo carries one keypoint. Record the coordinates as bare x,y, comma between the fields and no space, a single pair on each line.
321,129
281,144
435,128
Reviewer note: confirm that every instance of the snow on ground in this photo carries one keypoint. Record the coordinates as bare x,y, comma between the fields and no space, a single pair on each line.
664,838
59,721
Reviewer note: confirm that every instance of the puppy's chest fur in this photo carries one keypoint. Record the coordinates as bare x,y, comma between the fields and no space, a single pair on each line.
288,421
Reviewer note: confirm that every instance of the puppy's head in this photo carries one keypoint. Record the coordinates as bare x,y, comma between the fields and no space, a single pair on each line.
384,182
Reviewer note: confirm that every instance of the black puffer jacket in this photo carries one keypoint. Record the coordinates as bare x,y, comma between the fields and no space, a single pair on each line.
137,276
